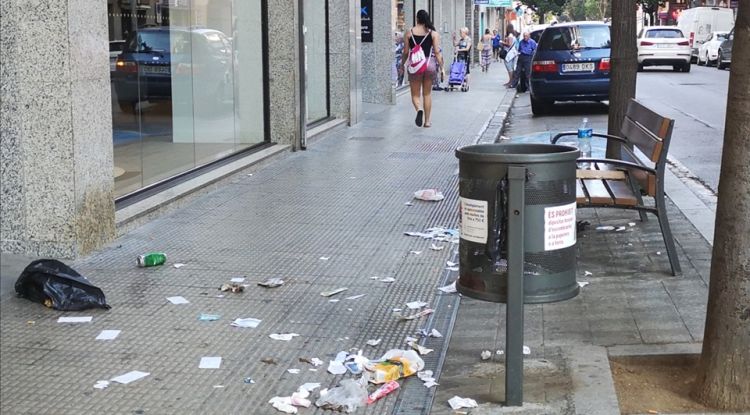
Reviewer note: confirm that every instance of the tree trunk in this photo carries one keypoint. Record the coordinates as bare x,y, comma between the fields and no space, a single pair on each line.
541,18
724,374
624,63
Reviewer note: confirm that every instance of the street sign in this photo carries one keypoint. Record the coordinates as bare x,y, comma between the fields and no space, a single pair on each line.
366,15
493,3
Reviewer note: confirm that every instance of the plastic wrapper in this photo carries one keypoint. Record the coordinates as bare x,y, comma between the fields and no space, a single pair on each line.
382,391
56,285
431,195
394,365
346,397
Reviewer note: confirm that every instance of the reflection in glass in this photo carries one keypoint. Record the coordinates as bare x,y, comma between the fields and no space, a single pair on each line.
397,69
316,59
187,86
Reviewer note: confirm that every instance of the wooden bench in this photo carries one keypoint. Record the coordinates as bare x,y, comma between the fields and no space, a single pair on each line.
621,183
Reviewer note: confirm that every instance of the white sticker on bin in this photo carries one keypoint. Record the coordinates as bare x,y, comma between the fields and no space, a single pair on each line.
474,221
559,226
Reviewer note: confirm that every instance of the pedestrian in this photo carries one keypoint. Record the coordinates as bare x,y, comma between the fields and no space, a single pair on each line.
463,50
511,54
424,35
526,49
496,44
486,50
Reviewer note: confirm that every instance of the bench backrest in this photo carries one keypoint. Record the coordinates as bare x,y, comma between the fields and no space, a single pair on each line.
650,133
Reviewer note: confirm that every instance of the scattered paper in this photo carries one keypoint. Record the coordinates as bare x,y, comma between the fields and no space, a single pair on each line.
354,297
374,342
437,234
451,264
499,352
293,371
334,300
336,368
435,333
449,289
213,362
486,355
75,319
284,337
605,228
178,300
248,380
218,386
631,224
374,278
238,279
583,283
396,310
108,335
415,252
101,384
283,404
620,228
431,383
419,348
309,387
658,252
388,279
458,403
526,350
427,377
418,315
246,322
233,287
208,317
587,273
452,268
130,377
409,204
325,258
316,362
178,265
272,283
414,305
430,195
333,292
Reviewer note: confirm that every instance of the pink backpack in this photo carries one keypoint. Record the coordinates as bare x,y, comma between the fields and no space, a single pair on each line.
418,61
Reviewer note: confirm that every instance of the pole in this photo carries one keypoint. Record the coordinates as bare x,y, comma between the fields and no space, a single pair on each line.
302,75
514,314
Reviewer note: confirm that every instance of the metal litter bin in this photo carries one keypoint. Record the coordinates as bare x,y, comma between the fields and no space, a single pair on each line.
548,219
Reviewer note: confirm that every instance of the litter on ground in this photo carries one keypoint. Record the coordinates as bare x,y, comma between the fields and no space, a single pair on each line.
208,317
388,279
130,377
605,228
233,287
415,305
293,371
583,283
354,297
418,315
451,264
210,362
449,289
238,279
458,403
86,319
101,384
374,342
178,300
108,335
246,322
178,265
415,252
452,268
430,195
436,248
333,292
272,283
526,350
588,273
283,336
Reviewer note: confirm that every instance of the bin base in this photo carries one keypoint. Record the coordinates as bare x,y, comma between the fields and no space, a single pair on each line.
501,297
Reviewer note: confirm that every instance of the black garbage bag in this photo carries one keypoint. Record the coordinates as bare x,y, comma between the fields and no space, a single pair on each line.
56,285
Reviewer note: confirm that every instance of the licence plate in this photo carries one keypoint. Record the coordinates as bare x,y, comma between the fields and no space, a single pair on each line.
578,67
155,69
663,45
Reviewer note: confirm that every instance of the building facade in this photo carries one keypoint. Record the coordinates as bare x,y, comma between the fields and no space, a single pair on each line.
114,109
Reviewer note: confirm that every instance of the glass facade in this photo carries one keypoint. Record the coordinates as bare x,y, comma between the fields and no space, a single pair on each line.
315,14
399,26
187,85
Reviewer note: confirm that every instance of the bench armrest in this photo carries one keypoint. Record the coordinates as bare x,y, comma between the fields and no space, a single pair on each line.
607,136
619,163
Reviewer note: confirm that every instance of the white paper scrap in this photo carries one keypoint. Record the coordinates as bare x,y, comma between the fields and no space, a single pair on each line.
336,368
316,362
333,292
424,375
431,383
246,322
449,289
458,403
583,283
396,310
486,355
415,252
178,300
178,265
409,204
658,252
130,377
334,300
435,333
436,248
588,273
620,229
354,297
605,228
388,279
451,264
211,362
325,258
414,305
283,404
108,335
499,352
293,371
75,319
284,337
452,268
631,224
526,350
238,279
374,342
309,387
101,384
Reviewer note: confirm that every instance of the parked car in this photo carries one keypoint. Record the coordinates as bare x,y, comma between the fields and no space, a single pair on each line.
198,56
663,45
115,49
571,63
709,51
724,55
697,23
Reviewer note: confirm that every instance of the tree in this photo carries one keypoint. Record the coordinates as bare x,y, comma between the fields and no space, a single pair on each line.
624,64
542,7
650,7
588,9
724,371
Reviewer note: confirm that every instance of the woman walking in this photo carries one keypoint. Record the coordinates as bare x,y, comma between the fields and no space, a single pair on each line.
422,41
509,44
486,50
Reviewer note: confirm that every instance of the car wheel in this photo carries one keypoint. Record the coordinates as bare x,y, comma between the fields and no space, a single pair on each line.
677,68
540,106
686,67
640,67
126,106
719,64
700,62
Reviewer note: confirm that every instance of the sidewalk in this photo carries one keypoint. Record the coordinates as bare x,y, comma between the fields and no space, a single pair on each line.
343,199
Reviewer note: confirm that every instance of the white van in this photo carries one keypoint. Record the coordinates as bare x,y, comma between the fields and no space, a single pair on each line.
697,23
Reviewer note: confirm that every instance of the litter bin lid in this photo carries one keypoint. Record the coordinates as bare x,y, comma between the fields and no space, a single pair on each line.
517,153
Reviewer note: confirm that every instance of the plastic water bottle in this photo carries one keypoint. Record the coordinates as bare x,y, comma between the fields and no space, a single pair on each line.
584,141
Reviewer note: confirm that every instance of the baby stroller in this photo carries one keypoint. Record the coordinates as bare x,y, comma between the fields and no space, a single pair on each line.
457,77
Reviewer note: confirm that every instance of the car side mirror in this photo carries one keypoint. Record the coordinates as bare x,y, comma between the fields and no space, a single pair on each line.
731,37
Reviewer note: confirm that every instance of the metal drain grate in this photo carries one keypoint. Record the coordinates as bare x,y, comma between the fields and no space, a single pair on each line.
366,138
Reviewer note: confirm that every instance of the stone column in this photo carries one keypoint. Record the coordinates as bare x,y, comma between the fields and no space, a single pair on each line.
56,168
378,57
340,39
283,71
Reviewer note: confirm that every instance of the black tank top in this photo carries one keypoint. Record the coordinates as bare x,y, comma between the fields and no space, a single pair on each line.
426,45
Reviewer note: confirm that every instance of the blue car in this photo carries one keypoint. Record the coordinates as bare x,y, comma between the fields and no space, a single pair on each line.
571,63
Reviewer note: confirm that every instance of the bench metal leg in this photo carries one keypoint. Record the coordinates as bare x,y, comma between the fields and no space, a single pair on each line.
637,192
674,261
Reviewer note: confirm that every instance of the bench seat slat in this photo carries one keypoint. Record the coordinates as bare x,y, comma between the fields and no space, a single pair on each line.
597,192
643,139
600,174
581,196
622,193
